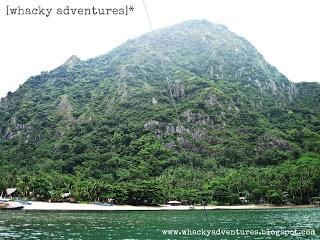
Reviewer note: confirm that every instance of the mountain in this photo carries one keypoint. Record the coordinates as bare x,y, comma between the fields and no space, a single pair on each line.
220,122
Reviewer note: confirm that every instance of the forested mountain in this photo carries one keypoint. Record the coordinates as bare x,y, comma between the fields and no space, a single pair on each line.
224,124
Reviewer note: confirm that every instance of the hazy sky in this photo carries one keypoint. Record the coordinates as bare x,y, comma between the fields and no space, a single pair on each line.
286,32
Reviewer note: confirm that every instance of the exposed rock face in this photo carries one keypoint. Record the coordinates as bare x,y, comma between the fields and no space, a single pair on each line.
8,135
271,85
292,91
125,74
269,142
151,124
4,103
154,101
171,129
18,131
123,94
199,134
196,118
72,61
177,89
65,108
212,100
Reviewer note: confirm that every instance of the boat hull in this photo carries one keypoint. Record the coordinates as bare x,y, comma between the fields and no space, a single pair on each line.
10,205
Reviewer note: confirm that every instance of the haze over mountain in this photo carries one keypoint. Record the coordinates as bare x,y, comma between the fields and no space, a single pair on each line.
107,127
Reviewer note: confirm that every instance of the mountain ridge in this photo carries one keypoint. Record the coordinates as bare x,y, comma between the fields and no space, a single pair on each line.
110,120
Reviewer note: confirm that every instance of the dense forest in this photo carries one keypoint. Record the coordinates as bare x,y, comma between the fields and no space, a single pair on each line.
224,125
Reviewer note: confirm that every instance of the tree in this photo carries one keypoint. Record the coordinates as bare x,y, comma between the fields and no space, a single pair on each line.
274,197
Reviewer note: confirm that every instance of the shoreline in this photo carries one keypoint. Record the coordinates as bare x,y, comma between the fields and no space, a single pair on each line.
45,206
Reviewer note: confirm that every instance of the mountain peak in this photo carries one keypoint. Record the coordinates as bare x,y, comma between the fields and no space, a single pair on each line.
200,23
71,61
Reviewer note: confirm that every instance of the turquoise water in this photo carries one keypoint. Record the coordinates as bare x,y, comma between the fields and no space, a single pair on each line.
20,224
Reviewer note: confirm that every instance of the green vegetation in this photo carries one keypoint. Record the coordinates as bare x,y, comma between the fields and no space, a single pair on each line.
106,127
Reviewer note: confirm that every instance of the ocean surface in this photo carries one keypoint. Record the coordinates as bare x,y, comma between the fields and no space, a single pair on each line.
301,223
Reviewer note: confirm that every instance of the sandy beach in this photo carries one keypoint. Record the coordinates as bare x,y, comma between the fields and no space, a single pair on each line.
45,206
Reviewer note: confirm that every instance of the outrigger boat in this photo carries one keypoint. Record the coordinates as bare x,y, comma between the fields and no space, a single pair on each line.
23,201
104,204
8,204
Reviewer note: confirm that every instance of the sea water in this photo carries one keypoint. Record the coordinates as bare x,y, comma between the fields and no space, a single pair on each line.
296,223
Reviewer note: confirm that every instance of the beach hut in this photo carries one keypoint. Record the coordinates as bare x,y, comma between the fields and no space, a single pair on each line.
243,200
174,203
10,191
65,195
